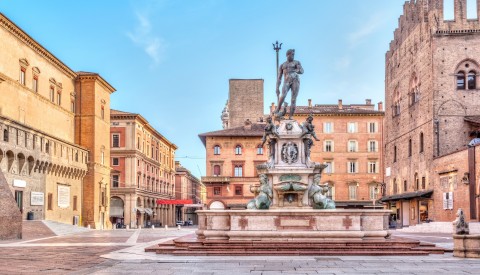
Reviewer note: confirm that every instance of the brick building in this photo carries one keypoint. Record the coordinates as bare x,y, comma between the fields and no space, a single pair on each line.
188,189
143,173
351,143
432,100
54,132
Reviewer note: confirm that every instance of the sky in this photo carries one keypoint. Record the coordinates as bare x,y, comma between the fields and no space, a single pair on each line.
170,61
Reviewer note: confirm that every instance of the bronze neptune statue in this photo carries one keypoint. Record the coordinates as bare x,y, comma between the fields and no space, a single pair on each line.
289,71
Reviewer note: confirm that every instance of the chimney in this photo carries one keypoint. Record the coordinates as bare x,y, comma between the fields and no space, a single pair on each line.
340,105
248,125
309,103
368,101
380,106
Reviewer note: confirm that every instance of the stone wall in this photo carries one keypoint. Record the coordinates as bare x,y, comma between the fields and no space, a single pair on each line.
10,216
245,101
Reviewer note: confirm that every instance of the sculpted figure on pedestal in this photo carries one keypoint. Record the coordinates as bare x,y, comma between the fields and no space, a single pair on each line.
264,197
460,225
318,193
289,71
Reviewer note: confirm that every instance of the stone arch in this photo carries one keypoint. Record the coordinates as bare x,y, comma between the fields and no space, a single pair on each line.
10,160
117,206
21,162
450,108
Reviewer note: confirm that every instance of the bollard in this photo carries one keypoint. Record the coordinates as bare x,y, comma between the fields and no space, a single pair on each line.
88,226
179,227
128,227
166,227
153,226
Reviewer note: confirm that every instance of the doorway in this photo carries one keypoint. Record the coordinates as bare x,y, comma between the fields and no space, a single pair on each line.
405,213
19,200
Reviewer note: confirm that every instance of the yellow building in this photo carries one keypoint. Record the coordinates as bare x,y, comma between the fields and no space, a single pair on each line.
54,126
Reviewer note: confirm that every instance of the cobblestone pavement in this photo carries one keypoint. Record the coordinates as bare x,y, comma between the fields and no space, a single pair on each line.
122,252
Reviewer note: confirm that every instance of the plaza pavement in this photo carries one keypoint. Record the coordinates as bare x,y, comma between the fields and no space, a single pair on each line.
77,251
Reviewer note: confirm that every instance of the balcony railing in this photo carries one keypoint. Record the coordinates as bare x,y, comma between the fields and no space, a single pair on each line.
216,179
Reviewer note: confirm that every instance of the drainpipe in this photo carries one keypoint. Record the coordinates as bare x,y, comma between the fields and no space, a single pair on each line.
437,132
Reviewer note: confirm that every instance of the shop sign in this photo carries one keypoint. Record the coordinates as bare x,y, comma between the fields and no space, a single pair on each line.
19,183
37,198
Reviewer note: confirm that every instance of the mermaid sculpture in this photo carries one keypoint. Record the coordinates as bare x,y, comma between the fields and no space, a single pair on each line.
264,197
317,192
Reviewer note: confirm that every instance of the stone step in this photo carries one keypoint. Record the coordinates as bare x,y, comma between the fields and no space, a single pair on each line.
233,252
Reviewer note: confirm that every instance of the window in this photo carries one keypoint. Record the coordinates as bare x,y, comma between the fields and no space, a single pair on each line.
115,180
372,127
75,201
372,167
396,109
352,167
395,153
49,201
47,147
35,84
417,182
395,186
423,183
5,135
22,75
461,80
102,158
352,146
102,112
328,146
410,147
115,162
238,150
329,168
216,150
259,150
116,140
238,190
52,94
405,186
328,127
216,170
421,143
372,146
59,97
72,106
238,171
352,191
217,191
472,80
352,127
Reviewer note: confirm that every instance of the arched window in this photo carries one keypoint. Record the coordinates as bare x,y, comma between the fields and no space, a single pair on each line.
395,153
259,150
216,150
417,182
216,170
238,171
238,150
421,142
5,135
47,147
472,80
395,186
461,80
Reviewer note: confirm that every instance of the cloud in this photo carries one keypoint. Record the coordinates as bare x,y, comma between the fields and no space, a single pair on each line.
144,37
365,30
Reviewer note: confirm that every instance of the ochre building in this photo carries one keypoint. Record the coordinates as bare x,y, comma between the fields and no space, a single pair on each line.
432,97
143,173
188,190
54,133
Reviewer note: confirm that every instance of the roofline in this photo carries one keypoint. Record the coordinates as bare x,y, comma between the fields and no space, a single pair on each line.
20,34
96,76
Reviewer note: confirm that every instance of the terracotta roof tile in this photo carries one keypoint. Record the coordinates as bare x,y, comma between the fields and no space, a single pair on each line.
253,130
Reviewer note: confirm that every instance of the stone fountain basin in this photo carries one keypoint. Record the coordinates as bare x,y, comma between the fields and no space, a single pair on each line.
293,224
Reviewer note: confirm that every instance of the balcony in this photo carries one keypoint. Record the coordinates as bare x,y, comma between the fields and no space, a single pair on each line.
215,179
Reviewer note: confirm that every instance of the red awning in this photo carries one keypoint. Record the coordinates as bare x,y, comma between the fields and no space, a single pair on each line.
174,201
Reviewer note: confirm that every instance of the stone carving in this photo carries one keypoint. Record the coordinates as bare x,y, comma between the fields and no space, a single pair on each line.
289,71
272,135
264,197
280,115
289,152
290,177
460,225
317,192
308,131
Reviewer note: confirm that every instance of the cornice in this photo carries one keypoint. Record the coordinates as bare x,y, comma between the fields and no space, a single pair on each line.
34,45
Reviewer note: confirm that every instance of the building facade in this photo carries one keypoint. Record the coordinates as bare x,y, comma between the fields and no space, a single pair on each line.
432,99
44,154
188,189
143,173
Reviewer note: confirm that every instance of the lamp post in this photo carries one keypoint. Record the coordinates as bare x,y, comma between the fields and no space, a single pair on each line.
277,47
